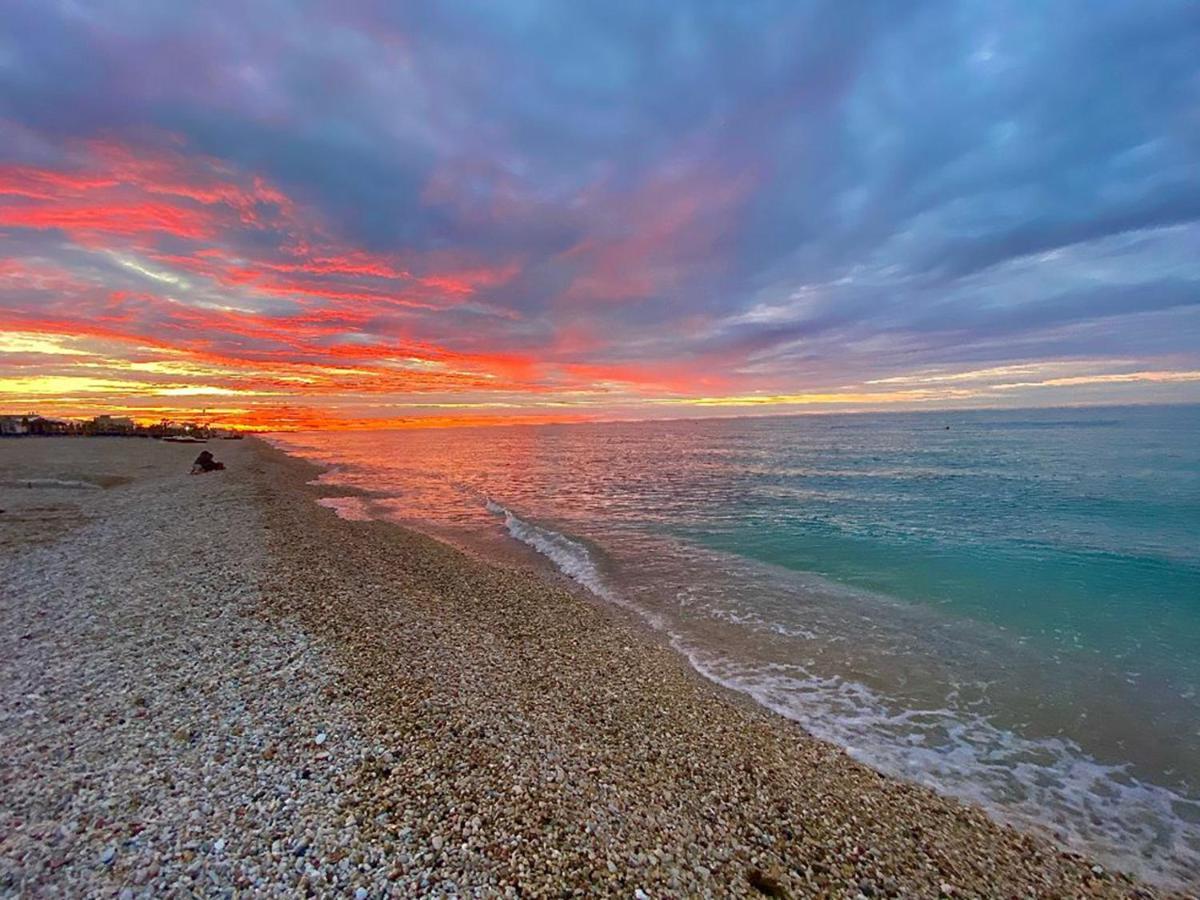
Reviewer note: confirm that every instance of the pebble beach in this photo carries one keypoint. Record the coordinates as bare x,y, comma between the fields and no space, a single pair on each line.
215,687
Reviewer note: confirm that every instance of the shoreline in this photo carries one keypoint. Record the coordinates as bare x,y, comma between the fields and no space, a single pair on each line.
1110,816
486,730
523,561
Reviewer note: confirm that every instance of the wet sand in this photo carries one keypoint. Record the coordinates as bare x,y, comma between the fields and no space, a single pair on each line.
218,685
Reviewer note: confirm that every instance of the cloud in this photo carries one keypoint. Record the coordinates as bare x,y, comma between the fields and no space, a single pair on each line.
527,202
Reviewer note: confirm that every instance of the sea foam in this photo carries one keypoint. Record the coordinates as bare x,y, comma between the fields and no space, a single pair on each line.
571,557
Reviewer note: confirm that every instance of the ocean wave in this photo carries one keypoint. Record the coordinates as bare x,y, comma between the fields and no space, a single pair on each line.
1047,783
352,508
571,557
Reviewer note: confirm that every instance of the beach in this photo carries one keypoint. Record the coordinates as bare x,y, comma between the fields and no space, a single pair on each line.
215,685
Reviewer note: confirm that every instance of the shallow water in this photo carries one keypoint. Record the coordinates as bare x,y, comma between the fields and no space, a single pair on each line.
1003,605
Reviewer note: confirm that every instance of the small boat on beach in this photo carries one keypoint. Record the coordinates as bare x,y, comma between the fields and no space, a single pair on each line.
185,440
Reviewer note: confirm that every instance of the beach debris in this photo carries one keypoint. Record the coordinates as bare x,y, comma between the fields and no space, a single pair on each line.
321,737
765,884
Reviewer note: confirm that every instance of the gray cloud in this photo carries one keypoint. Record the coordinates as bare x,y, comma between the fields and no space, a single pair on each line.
697,161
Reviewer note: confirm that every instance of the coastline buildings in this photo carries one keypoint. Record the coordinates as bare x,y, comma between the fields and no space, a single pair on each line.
31,424
16,426
110,425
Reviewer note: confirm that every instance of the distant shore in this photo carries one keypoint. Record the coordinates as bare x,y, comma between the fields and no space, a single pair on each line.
216,684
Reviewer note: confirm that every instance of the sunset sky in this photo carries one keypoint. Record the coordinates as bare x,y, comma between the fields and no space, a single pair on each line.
361,213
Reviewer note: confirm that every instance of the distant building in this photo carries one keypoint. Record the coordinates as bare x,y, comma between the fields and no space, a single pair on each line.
111,425
43,426
14,425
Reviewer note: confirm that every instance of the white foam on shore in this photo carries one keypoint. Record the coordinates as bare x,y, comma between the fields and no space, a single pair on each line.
1048,783
351,508
571,558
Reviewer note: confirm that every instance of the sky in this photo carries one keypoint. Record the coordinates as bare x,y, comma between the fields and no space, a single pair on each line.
356,214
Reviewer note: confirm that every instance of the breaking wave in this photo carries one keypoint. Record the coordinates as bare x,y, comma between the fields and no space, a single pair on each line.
571,557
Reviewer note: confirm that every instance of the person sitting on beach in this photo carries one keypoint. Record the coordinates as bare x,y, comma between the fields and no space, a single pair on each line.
205,463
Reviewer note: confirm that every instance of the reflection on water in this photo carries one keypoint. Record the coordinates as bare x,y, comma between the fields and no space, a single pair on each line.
1008,609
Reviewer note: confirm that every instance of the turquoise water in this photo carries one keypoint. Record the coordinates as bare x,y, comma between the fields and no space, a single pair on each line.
1080,531
1003,605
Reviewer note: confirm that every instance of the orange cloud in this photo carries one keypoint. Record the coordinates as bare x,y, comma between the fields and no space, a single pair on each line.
84,222
655,236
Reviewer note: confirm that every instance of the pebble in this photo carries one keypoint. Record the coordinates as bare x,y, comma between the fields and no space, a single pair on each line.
198,682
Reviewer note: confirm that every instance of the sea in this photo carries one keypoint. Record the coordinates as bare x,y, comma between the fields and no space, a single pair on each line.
1001,605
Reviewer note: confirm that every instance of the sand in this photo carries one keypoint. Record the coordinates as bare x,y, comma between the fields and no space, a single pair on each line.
214,685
